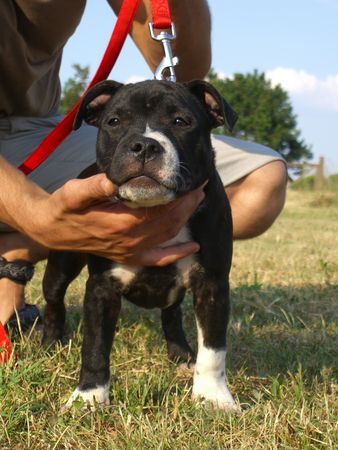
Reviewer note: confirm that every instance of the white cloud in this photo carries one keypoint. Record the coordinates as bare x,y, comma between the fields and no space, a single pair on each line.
225,75
135,79
320,93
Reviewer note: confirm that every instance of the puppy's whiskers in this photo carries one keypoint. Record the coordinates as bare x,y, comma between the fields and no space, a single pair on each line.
184,167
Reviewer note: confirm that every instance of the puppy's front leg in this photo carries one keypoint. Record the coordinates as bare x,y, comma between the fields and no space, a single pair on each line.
178,347
61,270
101,310
211,302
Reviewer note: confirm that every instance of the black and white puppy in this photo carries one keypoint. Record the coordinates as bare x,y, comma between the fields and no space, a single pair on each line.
154,144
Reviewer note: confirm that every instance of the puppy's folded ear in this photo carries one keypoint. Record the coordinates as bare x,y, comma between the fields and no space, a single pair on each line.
219,111
94,102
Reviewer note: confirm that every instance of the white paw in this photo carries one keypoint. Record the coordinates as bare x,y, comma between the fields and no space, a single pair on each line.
98,395
215,391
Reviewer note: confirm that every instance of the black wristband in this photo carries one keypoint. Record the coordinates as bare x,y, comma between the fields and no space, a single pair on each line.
19,271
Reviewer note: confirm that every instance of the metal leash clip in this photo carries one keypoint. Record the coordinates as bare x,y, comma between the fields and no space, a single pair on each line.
169,61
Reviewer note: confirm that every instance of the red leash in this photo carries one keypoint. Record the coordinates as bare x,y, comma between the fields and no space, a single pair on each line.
5,345
161,14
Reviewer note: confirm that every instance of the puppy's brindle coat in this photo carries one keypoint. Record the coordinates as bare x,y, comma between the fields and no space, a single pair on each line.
154,144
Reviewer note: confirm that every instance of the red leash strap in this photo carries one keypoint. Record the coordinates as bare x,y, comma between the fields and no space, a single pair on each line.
64,128
5,345
161,14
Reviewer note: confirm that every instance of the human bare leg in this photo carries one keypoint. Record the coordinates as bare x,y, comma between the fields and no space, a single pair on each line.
257,199
15,246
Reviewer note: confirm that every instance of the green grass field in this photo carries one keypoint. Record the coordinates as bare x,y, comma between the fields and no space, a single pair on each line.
281,365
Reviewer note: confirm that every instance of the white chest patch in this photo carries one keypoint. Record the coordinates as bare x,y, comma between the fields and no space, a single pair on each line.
125,274
183,265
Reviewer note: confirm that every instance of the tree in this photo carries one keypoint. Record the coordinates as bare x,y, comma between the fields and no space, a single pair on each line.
265,113
73,88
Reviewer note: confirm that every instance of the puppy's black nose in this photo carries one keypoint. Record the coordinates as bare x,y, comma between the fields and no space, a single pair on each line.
146,149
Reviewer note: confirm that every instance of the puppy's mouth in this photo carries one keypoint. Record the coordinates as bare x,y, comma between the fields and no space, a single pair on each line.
144,191
142,181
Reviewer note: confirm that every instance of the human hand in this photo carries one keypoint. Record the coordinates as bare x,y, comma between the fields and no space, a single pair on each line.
81,217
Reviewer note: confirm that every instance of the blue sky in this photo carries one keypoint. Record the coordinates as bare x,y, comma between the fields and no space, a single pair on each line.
294,42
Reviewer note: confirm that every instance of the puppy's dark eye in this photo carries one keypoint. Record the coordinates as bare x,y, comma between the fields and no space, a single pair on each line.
113,121
180,122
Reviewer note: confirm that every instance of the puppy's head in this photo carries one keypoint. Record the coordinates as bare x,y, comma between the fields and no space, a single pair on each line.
154,136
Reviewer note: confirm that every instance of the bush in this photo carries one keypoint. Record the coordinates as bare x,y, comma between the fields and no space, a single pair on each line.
304,184
308,183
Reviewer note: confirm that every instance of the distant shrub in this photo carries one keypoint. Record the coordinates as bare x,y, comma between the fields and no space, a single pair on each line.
308,183
304,184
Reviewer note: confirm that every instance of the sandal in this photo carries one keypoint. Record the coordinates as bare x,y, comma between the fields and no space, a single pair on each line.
20,272
24,319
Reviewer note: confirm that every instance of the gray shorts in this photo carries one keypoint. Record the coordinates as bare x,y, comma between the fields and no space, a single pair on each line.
19,136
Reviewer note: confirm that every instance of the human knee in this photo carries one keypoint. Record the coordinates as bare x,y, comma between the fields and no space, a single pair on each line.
257,199
267,187
261,186
271,186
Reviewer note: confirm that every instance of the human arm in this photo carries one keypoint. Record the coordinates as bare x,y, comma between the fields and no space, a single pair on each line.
192,46
80,217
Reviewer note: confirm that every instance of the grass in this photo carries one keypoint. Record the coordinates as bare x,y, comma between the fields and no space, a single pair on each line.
281,365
